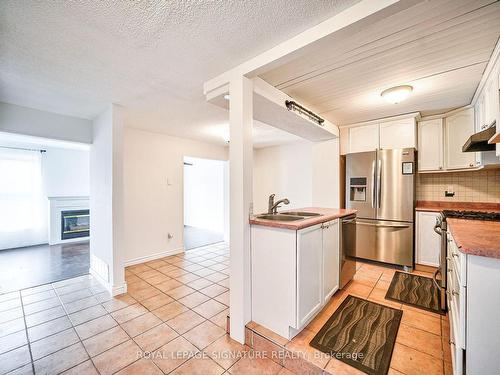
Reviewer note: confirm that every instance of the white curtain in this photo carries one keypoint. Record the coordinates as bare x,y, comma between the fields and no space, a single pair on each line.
23,207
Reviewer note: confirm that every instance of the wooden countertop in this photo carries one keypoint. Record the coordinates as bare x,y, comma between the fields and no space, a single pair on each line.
476,237
437,206
327,214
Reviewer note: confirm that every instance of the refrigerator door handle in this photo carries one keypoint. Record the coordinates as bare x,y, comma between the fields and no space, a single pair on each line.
383,225
379,181
373,184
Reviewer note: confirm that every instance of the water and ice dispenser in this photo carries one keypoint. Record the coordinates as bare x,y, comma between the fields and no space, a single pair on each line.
357,189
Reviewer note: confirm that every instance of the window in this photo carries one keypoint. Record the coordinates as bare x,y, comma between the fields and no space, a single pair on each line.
23,211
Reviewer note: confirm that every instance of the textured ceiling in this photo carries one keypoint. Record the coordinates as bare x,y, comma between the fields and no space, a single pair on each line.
152,57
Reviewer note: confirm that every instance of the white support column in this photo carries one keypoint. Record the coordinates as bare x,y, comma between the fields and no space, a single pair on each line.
240,190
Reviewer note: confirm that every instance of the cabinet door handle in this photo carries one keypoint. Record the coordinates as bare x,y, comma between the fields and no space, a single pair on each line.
454,255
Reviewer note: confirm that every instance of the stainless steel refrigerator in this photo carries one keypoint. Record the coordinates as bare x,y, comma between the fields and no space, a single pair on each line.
381,186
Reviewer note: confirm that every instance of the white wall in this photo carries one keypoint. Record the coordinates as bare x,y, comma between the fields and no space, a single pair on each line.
153,175
306,173
106,200
65,172
285,171
204,203
28,121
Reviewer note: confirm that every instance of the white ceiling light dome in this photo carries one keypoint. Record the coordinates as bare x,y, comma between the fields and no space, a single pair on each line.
396,94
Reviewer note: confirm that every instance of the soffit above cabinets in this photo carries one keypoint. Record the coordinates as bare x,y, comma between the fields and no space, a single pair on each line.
441,48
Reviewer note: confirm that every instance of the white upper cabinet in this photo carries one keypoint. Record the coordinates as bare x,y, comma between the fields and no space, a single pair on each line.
389,134
398,134
479,113
363,138
430,145
458,128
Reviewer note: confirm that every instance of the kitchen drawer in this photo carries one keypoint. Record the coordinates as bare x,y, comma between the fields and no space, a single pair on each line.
457,353
456,296
458,260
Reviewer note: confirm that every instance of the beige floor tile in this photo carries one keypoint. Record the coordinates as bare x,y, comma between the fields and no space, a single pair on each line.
76,295
168,357
209,308
141,324
155,337
187,278
199,366
225,283
61,360
142,367
157,263
180,292
49,328
117,358
221,318
336,367
12,341
204,272
12,326
200,283
148,274
168,285
285,371
365,280
14,359
158,279
81,304
53,343
194,299
204,334
357,289
6,316
185,321
36,297
213,290
378,295
128,313
87,314
225,351
119,302
412,362
27,292
105,340
422,321
255,366
10,304
157,301
223,298
263,331
300,345
85,368
41,305
145,293
170,310
420,340
95,326
216,277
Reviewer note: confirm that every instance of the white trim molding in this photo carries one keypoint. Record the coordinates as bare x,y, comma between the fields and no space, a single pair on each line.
155,256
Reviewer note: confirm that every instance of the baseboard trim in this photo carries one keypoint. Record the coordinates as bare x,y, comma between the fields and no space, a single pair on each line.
155,256
113,290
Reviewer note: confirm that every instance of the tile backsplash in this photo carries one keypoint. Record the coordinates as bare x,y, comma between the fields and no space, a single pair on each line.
471,186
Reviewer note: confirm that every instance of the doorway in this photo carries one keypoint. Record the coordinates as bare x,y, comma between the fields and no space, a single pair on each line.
206,202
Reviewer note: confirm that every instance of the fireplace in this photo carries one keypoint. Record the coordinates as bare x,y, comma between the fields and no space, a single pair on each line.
75,224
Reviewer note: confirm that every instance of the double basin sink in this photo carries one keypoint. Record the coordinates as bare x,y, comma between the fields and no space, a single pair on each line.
288,216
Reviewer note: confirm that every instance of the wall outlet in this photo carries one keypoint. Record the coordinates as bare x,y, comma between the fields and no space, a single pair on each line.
449,192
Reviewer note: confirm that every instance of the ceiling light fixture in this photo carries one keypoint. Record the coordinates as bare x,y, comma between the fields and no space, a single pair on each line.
396,94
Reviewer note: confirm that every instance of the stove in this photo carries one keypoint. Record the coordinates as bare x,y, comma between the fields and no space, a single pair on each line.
471,215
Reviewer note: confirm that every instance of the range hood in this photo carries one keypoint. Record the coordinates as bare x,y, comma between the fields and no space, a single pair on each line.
479,141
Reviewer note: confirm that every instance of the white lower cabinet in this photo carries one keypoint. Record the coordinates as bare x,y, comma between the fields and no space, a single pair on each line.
473,299
309,271
331,256
294,274
427,242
